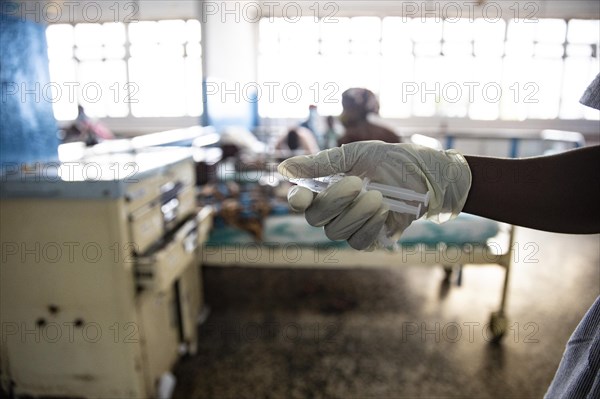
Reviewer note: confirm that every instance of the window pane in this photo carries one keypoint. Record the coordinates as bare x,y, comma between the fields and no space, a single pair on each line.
339,30
193,30
268,42
365,28
489,38
193,50
550,30
427,49
364,72
332,47
517,87
86,53
331,84
60,41
458,30
114,52
299,37
485,98
547,80
113,33
395,37
453,94
545,50
161,86
457,49
143,32
335,37
88,35
143,50
483,49
92,94
397,73
579,50
115,88
425,30
519,48
583,31
64,92
428,76
365,35
172,31
521,31
491,32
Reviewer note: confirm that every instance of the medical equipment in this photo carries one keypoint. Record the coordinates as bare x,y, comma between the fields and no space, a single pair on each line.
392,195
137,293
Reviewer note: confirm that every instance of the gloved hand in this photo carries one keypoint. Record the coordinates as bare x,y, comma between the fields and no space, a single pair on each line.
348,214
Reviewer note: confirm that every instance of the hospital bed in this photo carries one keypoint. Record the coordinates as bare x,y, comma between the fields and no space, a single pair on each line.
288,241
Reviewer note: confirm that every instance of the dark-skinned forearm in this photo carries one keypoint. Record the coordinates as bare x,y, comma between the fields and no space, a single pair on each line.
559,193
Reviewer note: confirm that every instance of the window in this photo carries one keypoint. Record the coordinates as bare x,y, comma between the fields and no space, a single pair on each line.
475,69
117,70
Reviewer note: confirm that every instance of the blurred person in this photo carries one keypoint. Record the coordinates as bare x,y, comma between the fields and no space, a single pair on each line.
86,129
298,140
358,104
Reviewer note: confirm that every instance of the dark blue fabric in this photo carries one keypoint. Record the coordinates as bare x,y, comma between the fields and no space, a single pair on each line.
591,97
578,375
28,130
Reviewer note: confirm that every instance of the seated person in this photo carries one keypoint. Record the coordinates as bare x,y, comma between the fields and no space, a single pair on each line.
357,104
298,140
86,129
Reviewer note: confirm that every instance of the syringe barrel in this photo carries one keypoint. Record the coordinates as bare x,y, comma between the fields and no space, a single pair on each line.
397,192
399,206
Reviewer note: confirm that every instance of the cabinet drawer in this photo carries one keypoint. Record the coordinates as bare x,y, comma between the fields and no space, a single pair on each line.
142,192
179,207
187,203
158,270
146,226
183,173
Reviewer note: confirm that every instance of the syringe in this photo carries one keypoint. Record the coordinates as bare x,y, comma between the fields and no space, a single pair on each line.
392,196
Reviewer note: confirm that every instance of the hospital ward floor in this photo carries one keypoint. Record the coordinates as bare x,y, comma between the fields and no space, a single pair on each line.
397,332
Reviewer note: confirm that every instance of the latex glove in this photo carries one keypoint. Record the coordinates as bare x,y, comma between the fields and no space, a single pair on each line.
358,217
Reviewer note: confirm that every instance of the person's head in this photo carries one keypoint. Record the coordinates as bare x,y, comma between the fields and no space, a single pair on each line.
293,140
357,103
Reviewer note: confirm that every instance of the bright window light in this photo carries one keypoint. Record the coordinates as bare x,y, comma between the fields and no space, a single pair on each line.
117,70
479,69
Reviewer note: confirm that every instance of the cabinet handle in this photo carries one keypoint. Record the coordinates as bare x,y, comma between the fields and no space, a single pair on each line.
190,242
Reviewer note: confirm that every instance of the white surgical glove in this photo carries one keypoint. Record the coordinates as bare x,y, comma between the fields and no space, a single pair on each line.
349,213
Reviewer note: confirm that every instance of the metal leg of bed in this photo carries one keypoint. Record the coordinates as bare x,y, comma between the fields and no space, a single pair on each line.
498,319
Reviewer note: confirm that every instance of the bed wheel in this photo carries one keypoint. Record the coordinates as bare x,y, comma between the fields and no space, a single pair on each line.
498,326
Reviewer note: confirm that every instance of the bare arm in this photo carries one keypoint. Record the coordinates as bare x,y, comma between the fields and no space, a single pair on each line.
559,193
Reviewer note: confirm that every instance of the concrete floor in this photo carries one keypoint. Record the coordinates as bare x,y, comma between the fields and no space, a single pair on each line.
392,333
